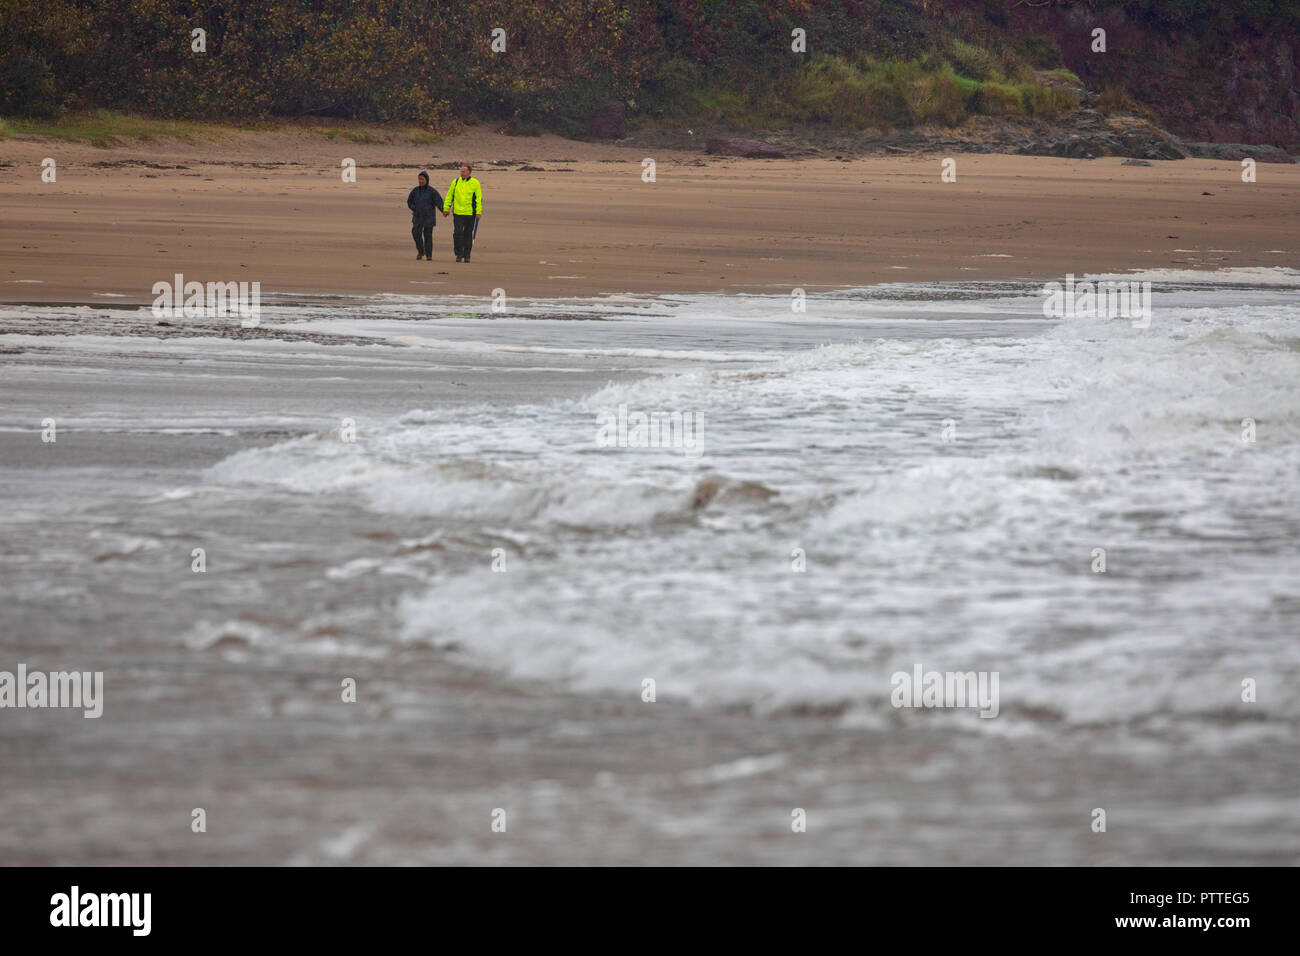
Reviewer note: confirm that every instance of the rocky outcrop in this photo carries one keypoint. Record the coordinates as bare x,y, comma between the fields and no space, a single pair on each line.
1082,134
1140,139
1086,134
1240,151
748,148
1201,82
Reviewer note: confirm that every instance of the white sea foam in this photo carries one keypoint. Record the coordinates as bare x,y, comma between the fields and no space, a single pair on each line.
1240,275
973,553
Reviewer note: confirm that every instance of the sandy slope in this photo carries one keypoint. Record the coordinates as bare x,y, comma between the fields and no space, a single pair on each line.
272,207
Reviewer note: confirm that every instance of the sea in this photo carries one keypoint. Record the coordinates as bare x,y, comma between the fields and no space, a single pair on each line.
656,645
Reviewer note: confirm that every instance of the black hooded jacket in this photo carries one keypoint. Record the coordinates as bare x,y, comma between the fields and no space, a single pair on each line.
424,203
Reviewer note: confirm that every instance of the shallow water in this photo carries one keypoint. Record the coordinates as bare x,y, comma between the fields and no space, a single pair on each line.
945,461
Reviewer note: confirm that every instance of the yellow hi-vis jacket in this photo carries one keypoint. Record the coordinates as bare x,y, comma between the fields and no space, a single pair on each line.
464,197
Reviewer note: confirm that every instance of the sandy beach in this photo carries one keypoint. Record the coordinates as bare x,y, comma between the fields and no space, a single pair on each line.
272,207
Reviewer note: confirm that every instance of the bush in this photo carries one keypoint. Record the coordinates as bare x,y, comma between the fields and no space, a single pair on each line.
973,61
887,98
1063,76
967,86
671,83
940,98
832,90
871,93
1040,51
27,87
1048,101
999,99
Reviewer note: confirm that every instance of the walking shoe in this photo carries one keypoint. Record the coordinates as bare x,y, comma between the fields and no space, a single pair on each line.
459,259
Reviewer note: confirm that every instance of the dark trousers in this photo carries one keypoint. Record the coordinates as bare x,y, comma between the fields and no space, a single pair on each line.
423,236
464,236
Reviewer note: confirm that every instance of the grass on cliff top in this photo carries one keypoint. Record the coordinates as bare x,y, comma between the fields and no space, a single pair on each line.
871,93
106,128
876,93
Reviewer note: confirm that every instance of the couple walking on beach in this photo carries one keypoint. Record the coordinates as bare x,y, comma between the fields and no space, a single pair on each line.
464,201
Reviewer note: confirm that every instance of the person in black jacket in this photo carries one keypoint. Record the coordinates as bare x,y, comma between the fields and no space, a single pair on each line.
424,203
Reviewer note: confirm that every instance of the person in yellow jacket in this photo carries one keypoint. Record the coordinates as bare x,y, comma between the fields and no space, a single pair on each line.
465,200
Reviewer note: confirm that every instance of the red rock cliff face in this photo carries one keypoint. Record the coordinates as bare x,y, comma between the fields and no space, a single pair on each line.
1222,79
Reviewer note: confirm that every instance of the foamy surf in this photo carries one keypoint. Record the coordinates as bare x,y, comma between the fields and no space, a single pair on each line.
948,494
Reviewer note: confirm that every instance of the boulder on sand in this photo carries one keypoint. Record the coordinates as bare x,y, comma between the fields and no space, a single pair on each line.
748,148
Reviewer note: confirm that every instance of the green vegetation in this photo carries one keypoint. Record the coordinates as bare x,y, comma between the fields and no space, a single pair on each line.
1046,101
381,61
1038,51
27,85
1001,99
870,92
427,67
1063,76
106,127
874,93
973,61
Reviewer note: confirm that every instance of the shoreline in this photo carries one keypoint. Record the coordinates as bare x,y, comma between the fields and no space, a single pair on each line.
519,306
